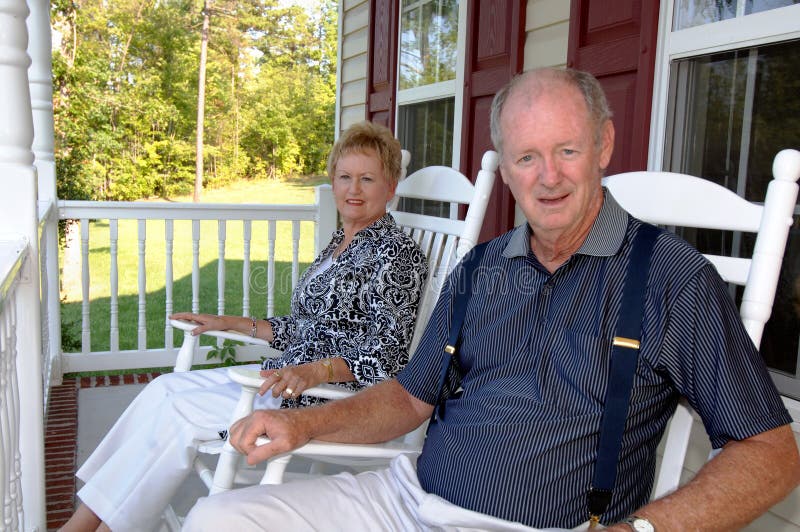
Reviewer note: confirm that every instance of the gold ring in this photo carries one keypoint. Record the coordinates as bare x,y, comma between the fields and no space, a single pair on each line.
289,391
277,374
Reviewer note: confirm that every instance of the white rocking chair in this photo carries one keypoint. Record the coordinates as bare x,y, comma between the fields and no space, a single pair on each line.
671,199
444,240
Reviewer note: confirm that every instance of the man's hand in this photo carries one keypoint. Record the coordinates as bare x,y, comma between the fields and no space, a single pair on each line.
282,427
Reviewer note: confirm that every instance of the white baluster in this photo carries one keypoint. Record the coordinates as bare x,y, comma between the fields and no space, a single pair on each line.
169,237
195,266
113,235
271,268
326,217
142,339
221,237
86,332
295,252
247,232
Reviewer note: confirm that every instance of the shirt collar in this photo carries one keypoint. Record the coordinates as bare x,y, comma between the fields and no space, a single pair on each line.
604,239
374,230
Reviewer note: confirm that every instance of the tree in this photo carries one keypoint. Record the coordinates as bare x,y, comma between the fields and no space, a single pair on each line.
126,82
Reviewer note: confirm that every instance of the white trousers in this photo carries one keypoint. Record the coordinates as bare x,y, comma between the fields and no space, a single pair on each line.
386,500
134,472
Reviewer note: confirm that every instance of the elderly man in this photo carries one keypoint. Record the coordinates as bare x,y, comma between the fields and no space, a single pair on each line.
516,446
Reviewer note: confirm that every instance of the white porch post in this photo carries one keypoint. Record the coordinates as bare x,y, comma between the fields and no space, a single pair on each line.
40,80
18,216
327,216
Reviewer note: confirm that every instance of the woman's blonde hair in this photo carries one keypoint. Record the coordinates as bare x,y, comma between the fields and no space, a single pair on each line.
364,136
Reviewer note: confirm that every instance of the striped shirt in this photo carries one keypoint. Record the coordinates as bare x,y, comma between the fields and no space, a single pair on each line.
520,442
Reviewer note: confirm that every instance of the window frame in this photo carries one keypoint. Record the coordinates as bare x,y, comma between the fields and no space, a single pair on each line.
758,29
442,89
765,27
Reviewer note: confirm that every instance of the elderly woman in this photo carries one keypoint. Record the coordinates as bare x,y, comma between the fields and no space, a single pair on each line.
351,322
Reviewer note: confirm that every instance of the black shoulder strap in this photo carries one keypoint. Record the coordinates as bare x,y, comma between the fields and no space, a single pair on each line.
624,354
467,266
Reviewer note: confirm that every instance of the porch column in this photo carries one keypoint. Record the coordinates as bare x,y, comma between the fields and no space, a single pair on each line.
41,85
18,217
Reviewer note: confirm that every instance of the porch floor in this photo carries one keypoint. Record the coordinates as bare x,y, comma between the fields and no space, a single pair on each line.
81,412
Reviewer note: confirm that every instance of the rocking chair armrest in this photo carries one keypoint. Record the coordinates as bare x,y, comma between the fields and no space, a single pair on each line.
252,379
385,450
230,335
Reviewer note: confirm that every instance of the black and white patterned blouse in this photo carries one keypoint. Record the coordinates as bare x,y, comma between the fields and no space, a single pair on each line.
362,308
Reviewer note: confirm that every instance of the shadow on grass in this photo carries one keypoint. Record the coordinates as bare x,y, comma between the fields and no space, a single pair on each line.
156,311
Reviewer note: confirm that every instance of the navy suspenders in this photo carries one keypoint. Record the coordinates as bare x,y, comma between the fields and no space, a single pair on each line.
624,355
449,356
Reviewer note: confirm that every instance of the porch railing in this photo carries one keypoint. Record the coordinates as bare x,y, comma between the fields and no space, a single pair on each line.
241,222
13,253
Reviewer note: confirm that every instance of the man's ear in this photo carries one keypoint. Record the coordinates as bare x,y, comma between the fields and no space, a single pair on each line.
606,144
502,173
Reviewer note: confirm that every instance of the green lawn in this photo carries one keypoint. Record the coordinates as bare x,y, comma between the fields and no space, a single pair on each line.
296,191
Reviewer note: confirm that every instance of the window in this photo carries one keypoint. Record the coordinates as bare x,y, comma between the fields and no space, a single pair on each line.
726,114
428,73
690,13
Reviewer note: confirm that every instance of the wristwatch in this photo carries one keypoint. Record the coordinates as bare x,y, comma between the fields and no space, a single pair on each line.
639,524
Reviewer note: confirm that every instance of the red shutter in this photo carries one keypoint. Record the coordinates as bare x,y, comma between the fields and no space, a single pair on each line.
616,41
494,54
382,75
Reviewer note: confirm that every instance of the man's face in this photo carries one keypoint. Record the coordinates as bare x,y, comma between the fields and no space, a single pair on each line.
551,161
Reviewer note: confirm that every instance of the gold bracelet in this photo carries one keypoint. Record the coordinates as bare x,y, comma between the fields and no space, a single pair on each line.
327,363
254,329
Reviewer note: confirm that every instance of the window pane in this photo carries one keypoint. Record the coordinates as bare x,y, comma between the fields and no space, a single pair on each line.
426,130
428,41
730,113
754,6
689,13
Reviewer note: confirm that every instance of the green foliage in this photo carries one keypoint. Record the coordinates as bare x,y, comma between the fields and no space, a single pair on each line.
125,94
226,353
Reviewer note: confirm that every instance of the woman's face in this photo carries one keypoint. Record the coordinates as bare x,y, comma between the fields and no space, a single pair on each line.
361,189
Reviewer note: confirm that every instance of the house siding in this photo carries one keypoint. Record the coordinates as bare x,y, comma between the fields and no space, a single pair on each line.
352,88
547,30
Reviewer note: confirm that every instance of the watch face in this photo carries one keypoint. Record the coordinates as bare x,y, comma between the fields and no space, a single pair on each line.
642,525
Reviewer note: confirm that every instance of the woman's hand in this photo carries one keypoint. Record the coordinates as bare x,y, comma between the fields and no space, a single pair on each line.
290,381
206,322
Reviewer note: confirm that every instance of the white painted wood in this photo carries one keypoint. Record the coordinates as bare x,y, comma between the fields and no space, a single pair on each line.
221,237
679,200
247,236
142,278
169,237
12,256
326,217
196,266
86,334
295,253
113,228
271,268
41,89
142,212
19,215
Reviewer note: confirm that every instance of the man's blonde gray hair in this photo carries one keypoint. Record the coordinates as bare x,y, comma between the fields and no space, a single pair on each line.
587,84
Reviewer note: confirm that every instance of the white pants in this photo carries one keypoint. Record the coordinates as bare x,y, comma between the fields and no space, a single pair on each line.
386,500
134,472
